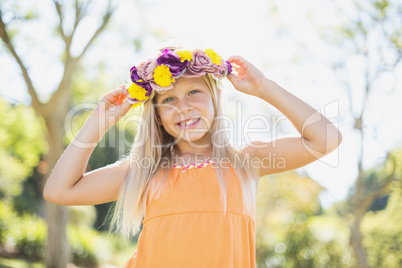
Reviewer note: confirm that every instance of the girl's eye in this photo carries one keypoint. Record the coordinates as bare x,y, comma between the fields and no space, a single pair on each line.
195,90
167,100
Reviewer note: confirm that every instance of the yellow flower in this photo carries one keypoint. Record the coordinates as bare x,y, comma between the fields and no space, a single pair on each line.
137,92
162,75
216,59
136,105
185,55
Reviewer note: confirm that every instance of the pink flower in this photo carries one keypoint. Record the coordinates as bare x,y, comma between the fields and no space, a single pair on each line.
146,69
201,65
160,89
223,70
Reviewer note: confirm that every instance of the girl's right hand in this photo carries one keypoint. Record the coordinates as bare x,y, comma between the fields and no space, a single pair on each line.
112,107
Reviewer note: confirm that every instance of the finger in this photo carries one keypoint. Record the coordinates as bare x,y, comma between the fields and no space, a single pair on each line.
125,107
237,59
114,95
111,98
234,57
120,99
235,68
122,89
233,79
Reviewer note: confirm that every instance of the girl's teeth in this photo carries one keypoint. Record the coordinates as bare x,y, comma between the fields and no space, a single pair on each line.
190,122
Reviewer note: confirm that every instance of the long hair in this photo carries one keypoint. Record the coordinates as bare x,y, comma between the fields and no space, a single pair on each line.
130,207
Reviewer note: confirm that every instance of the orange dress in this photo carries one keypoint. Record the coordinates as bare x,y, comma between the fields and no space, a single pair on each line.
185,227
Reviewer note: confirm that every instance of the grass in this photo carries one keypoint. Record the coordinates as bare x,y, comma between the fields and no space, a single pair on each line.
17,263
13,263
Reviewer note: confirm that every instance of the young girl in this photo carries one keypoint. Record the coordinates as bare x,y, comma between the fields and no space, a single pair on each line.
193,192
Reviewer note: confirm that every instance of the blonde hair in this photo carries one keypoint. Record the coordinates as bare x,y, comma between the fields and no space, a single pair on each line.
130,207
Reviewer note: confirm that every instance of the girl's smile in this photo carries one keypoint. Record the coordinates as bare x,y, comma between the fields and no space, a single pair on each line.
186,111
189,123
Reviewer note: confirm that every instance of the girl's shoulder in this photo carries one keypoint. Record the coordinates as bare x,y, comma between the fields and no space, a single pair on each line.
245,152
245,156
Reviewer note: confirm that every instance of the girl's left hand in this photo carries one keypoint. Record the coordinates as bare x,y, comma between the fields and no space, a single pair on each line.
248,79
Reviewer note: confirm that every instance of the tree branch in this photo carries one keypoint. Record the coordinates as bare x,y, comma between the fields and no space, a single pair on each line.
57,100
80,11
60,27
381,190
77,16
72,62
36,104
105,20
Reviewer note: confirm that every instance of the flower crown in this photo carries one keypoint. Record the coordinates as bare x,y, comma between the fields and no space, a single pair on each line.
161,73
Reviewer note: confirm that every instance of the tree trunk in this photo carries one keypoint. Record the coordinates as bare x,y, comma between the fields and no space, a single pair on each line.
58,251
53,113
356,242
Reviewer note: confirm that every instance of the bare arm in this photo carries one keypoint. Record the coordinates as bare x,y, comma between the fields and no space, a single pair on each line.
67,184
318,137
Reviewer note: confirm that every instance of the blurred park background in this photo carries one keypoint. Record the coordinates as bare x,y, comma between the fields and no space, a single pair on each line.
57,58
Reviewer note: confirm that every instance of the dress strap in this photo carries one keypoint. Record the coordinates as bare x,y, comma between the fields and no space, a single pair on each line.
194,165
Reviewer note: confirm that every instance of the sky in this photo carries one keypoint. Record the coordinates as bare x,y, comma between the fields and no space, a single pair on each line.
284,45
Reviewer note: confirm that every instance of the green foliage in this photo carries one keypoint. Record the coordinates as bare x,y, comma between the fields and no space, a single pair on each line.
8,218
292,234
30,199
83,216
381,7
373,21
292,230
301,248
12,173
113,249
382,233
6,263
91,247
21,132
20,10
330,243
396,40
379,204
29,235
26,237
83,244
21,144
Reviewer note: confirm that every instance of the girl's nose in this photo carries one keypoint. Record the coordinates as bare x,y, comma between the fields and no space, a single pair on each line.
185,105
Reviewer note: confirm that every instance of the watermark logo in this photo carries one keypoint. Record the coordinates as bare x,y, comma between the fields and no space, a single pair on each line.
230,131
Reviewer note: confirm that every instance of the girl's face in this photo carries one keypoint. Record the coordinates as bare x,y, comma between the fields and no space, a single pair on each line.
186,111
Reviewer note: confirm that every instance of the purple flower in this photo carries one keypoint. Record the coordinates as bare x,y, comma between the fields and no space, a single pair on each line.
229,67
225,68
201,65
222,70
139,81
172,60
134,74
